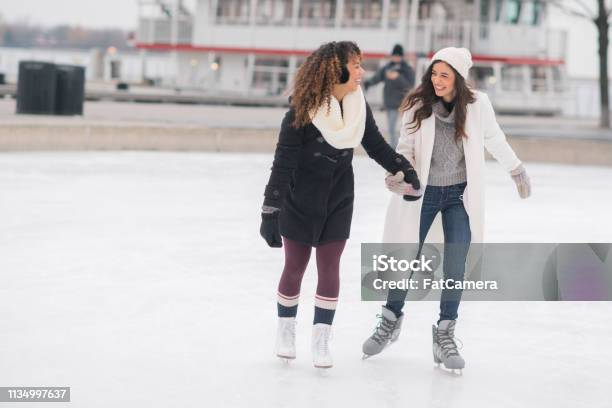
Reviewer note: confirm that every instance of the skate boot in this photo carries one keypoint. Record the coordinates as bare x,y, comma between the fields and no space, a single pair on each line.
320,345
285,338
444,346
387,331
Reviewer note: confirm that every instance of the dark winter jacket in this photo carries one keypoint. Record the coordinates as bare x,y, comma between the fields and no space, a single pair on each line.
394,90
312,182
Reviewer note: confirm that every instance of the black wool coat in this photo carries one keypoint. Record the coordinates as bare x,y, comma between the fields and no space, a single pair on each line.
312,182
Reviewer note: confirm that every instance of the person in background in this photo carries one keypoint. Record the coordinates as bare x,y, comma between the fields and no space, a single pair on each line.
399,80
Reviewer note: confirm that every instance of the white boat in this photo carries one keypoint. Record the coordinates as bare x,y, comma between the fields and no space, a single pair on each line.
253,47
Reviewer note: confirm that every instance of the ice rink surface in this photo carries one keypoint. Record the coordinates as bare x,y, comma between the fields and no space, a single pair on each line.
140,280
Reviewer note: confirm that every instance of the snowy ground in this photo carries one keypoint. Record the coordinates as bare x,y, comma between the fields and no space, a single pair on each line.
139,280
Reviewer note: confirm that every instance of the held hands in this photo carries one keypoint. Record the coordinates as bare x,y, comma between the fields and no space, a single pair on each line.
521,179
415,192
404,185
269,229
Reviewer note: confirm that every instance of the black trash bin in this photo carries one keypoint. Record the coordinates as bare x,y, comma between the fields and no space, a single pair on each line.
36,87
70,90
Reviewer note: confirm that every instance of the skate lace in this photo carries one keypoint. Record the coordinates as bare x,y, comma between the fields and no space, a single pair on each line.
288,332
383,330
446,340
323,343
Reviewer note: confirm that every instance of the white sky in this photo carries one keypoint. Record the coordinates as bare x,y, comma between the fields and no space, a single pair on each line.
581,59
88,13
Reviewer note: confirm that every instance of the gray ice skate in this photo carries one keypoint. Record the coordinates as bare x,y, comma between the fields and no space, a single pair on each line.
444,346
387,331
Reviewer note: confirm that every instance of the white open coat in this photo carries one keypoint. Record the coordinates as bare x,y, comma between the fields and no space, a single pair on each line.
403,217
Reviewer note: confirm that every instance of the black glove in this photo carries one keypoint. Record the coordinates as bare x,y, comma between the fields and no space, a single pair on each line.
410,177
269,230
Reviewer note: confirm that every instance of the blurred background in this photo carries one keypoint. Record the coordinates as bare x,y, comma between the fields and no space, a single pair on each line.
544,63
532,56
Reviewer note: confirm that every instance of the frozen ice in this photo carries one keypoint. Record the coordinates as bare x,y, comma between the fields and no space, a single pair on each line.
139,279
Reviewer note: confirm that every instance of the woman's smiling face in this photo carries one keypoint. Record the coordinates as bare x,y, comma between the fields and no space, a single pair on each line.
355,73
443,80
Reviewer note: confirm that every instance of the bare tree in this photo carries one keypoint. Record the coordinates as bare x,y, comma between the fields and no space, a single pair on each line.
601,19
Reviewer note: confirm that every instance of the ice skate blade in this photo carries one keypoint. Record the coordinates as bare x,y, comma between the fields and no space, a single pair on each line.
452,371
323,367
286,359
366,356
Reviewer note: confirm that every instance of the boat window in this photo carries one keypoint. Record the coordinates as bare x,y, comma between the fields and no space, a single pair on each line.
537,12
270,75
499,5
530,12
538,78
482,78
514,11
485,5
512,78
233,11
394,13
317,13
557,76
274,12
360,13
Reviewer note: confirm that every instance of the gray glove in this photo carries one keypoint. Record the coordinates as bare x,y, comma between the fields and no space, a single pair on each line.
521,179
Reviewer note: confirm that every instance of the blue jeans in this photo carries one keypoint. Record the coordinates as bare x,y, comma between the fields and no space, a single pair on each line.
392,115
456,224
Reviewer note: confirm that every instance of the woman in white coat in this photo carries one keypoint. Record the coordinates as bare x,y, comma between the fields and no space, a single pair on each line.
445,128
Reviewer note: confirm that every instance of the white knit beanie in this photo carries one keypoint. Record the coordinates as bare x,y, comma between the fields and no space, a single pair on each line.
458,58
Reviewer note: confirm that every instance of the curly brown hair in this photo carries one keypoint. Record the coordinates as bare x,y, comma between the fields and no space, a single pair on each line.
316,77
425,96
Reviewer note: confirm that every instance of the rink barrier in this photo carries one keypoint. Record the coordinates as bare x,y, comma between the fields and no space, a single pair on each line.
21,137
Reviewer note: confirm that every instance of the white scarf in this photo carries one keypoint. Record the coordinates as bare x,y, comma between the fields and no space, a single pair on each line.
342,131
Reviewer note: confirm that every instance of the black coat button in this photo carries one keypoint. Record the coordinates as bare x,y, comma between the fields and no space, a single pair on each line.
317,154
320,139
344,153
398,160
276,193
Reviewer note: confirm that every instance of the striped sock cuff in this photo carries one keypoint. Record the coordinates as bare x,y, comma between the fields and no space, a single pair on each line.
284,311
326,302
288,301
325,316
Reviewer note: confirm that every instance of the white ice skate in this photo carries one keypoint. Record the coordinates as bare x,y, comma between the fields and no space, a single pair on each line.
285,338
321,356
444,346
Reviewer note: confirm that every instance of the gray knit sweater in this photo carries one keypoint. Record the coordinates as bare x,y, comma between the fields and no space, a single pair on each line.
447,160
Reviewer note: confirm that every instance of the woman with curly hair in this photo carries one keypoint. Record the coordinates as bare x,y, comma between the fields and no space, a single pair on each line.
309,196
445,128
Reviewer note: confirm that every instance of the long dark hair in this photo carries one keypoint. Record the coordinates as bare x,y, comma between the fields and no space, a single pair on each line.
316,77
425,96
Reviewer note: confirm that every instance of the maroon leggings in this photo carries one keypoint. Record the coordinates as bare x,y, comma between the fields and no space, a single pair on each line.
328,268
